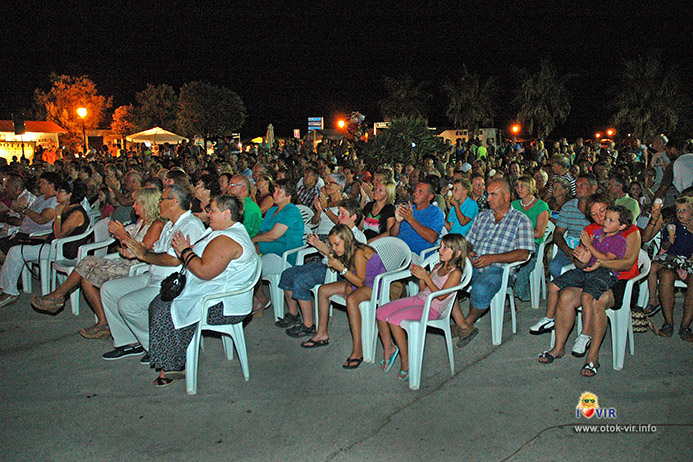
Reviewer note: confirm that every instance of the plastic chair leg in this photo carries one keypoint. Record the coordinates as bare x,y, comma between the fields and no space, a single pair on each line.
513,318
368,331
239,340
191,362
448,344
45,271
26,279
416,349
496,313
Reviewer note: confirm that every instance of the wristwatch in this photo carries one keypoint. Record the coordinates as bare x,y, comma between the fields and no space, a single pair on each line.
343,272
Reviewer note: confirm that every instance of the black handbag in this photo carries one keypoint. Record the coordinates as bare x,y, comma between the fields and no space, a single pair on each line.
173,285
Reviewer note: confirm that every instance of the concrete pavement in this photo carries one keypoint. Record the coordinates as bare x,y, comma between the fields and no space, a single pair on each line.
61,401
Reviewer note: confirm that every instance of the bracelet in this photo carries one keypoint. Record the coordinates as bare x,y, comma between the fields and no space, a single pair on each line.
343,272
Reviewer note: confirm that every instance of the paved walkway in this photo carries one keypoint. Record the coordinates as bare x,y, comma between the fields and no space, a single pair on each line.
61,401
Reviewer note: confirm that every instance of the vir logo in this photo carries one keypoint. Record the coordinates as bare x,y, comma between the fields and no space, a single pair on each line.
588,407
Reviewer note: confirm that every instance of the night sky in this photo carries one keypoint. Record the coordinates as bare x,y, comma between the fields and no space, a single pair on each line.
307,59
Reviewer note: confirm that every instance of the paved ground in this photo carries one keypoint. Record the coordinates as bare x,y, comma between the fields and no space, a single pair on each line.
61,401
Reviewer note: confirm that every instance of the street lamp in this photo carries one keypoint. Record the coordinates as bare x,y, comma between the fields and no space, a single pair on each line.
340,123
515,129
82,112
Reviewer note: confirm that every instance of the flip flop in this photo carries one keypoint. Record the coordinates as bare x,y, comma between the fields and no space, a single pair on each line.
260,312
403,375
315,343
591,367
387,365
352,363
548,357
651,310
463,341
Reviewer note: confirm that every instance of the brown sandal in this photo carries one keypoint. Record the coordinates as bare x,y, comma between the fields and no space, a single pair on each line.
96,332
47,304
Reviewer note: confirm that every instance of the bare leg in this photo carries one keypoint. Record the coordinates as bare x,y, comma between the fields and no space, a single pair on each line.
352,303
307,312
474,314
401,340
565,318
598,328
688,304
552,301
66,287
291,302
324,294
260,298
386,338
458,317
652,282
666,293
93,296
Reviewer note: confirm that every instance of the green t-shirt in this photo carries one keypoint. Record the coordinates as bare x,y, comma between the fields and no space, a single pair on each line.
533,214
252,217
631,204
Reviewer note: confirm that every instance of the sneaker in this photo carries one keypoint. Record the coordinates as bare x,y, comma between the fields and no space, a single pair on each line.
544,325
289,320
123,352
145,359
300,330
582,343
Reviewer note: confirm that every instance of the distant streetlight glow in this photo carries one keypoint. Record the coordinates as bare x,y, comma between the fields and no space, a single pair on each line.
611,132
515,128
340,123
597,135
82,112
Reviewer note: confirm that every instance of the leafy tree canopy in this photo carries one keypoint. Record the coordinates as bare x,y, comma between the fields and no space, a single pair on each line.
60,104
407,140
206,109
157,106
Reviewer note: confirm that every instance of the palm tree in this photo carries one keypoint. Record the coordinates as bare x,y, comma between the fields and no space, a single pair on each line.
649,99
470,101
542,99
405,100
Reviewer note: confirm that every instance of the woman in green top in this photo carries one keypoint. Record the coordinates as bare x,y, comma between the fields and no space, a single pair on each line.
538,212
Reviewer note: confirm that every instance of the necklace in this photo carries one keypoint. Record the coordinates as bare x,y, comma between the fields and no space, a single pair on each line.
529,203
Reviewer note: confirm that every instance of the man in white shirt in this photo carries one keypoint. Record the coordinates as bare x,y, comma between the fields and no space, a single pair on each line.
126,301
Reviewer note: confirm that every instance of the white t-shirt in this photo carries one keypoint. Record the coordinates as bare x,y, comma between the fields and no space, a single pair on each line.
190,226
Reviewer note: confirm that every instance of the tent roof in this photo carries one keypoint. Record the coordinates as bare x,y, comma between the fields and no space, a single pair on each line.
155,135
34,126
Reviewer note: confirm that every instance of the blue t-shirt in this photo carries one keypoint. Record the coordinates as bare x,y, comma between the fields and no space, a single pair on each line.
469,208
293,237
431,217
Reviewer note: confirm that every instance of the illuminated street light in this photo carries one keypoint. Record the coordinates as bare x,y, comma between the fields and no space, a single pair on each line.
611,132
340,123
82,112
597,135
515,129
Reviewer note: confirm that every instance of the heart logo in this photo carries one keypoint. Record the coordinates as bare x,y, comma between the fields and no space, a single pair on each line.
588,412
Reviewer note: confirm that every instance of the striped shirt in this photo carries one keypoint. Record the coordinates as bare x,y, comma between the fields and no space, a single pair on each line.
572,219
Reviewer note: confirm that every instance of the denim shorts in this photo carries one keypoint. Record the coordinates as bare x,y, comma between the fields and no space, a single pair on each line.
300,279
485,285
594,282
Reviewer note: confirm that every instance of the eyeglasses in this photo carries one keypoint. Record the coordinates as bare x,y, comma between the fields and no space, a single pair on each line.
231,185
682,210
166,199
208,209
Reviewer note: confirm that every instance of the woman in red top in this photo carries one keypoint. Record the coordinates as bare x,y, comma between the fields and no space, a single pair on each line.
594,323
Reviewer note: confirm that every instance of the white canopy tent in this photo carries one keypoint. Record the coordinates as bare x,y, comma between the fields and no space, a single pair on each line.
156,135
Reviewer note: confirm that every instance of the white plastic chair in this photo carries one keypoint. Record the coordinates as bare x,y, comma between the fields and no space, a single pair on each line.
416,330
56,254
232,334
306,213
396,257
537,278
498,304
276,294
62,267
26,272
621,319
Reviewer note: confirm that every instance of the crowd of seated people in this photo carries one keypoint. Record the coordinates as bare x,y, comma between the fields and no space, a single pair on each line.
185,205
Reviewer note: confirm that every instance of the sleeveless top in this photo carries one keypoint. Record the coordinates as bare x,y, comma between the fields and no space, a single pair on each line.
186,309
437,305
70,249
